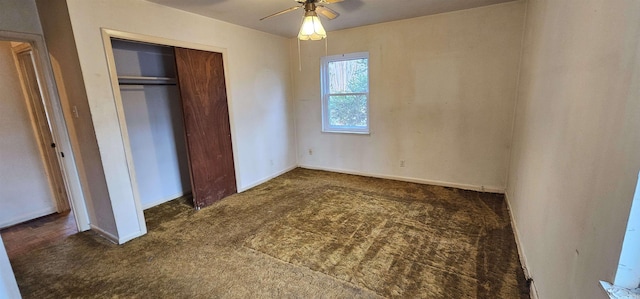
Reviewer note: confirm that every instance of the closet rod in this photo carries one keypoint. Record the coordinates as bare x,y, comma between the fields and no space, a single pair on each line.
146,83
138,80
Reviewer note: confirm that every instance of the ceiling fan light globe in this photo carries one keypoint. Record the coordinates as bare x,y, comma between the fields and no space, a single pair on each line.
311,28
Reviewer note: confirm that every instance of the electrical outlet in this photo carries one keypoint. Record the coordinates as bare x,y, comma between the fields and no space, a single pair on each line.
310,152
401,163
75,112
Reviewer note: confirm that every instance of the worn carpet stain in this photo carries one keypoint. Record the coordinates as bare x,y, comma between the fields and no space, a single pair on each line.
305,234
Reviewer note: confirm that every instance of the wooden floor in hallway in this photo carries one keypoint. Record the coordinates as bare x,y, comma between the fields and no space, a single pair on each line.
37,233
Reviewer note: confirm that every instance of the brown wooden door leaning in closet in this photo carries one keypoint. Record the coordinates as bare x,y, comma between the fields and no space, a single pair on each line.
206,116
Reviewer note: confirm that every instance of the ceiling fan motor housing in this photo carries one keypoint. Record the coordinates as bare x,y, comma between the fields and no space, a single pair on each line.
309,6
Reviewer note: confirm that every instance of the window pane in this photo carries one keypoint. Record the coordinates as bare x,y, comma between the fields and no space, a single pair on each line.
349,76
348,111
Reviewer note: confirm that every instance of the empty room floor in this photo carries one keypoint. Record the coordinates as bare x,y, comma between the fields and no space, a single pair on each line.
305,234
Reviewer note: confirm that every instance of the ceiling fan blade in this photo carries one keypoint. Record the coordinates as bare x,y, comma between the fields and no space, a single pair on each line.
327,12
281,12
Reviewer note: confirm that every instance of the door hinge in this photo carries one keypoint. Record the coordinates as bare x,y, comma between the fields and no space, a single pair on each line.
62,154
53,145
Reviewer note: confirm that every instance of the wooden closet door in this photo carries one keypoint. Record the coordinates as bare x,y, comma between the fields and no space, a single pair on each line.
206,116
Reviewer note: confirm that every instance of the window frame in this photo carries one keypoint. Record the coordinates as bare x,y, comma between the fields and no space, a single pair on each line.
325,93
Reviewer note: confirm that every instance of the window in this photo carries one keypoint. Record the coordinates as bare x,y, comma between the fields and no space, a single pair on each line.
344,81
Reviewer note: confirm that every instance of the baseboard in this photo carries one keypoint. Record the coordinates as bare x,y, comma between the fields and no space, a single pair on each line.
105,234
115,239
163,200
130,237
533,292
490,189
27,217
261,181
523,258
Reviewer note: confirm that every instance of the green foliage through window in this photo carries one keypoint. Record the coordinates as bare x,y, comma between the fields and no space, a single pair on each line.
350,111
346,93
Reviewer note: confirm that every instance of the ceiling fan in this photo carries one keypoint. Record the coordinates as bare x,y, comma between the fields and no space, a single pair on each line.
311,27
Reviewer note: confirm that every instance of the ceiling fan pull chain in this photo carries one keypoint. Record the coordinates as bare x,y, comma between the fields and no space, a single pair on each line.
326,46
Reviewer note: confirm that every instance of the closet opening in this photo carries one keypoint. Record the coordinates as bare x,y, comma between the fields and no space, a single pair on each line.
174,120
154,120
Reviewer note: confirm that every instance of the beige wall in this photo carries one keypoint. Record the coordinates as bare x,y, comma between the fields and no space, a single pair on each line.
68,75
575,154
442,92
25,192
258,80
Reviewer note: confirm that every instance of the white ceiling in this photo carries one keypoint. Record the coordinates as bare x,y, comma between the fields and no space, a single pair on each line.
353,13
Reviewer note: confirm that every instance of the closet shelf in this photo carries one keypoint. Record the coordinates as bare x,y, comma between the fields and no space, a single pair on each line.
141,80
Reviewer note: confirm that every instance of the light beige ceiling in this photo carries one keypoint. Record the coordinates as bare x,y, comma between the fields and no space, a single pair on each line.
353,13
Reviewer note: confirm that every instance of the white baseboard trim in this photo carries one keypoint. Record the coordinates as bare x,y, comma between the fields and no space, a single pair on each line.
130,237
270,177
105,234
523,258
114,239
163,200
490,189
30,216
533,292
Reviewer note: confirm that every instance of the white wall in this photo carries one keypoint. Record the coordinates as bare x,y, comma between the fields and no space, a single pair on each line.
19,16
258,80
8,285
156,137
576,141
25,192
442,92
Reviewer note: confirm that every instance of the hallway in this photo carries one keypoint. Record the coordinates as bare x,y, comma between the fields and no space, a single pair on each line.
37,233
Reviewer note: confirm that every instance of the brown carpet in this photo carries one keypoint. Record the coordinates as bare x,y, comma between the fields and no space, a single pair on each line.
305,234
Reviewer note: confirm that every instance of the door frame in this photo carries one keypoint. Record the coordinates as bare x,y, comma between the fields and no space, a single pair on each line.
107,34
52,167
59,131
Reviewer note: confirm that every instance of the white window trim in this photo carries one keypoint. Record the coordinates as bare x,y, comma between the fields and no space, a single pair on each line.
618,292
324,90
627,280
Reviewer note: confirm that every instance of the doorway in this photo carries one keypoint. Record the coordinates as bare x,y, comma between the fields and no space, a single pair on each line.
30,169
35,207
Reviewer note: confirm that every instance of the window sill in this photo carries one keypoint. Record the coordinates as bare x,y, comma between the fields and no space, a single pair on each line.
346,132
616,292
